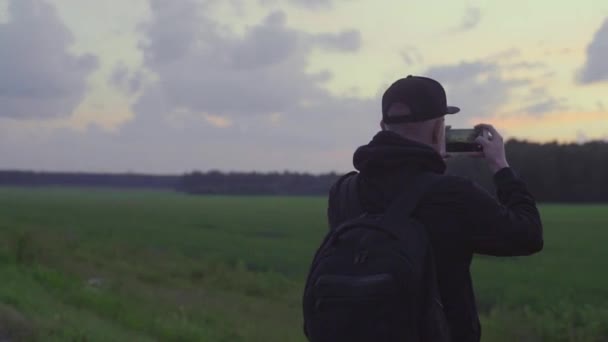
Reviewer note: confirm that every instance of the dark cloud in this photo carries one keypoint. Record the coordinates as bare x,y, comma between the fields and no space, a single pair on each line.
264,46
40,78
470,19
125,80
119,76
596,67
222,73
135,83
173,33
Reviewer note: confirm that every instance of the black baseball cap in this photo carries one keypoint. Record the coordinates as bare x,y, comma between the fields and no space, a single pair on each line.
424,96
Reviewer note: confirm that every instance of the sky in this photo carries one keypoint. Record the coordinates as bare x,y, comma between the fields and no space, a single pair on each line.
172,86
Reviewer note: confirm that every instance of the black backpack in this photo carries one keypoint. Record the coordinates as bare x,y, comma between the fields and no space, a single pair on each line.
373,278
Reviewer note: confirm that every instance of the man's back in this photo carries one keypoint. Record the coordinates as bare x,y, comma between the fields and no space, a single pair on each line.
461,218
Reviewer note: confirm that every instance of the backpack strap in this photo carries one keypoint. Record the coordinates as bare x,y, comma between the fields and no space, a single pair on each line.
352,191
349,205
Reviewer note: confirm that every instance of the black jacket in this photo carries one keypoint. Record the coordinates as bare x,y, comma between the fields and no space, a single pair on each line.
461,217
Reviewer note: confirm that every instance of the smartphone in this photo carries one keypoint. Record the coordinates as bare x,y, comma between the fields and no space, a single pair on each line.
462,140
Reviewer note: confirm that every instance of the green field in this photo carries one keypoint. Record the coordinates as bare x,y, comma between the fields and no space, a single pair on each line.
99,265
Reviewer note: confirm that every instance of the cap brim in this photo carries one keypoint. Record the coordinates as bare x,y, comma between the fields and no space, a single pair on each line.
453,110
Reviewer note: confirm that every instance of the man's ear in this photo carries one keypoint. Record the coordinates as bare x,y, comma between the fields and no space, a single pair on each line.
382,125
437,134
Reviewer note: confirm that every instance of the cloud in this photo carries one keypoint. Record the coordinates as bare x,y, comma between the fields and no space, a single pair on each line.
546,105
596,68
40,77
539,101
126,80
483,88
317,138
225,100
173,32
347,41
470,19
523,65
313,5
215,99
221,73
456,73
245,98
477,87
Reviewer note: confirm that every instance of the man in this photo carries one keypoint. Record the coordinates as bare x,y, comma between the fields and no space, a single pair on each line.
461,218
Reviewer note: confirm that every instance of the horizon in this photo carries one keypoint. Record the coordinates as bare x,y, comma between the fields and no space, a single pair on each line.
160,88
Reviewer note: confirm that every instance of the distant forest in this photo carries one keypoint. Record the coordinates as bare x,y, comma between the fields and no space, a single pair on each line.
574,173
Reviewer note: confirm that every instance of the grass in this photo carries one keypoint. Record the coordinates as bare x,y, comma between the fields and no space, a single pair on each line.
100,265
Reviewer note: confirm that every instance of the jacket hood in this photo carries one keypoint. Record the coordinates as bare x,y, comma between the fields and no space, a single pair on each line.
388,152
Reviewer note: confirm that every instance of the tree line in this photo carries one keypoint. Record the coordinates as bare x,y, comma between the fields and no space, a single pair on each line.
79,179
568,173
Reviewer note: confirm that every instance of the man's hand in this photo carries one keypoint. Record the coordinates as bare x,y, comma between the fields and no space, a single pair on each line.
493,147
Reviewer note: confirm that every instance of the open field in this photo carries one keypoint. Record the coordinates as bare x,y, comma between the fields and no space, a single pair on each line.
100,265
